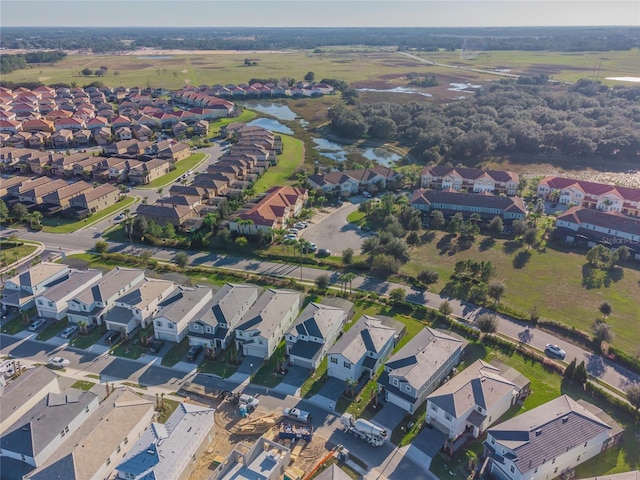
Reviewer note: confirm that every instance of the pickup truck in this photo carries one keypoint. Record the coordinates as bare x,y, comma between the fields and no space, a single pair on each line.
297,415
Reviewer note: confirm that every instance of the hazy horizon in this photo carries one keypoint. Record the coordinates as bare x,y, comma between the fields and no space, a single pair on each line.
320,13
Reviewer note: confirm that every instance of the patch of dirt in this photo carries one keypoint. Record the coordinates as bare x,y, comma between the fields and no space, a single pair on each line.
224,441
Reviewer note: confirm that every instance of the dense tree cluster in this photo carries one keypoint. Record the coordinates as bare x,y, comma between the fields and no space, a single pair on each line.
10,63
102,40
586,119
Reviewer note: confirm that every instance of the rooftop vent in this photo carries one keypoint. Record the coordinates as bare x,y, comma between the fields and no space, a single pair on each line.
538,432
565,419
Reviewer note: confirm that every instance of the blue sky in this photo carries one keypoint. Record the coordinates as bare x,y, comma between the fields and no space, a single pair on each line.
320,13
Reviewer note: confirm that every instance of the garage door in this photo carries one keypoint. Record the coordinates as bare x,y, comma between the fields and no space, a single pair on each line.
301,362
403,404
252,351
167,337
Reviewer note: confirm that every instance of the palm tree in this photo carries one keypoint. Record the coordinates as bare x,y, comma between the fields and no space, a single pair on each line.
160,190
348,277
34,219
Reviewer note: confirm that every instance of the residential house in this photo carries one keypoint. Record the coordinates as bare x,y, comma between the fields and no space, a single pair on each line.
70,123
97,199
97,122
147,172
278,206
181,200
63,165
141,132
120,148
176,152
170,450
63,196
352,182
124,133
85,168
26,184
52,303
62,138
11,126
261,328
179,128
38,139
177,215
417,369
38,125
138,305
102,135
24,392
485,204
120,121
21,290
201,127
178,310
40,432
608,198
214,325
19,139
11,183
363,348
103,440
471,180
580,224
549,440
90,306
315,330
265,460
475,398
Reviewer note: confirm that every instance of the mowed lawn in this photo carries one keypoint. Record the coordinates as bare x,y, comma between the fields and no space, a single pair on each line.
550,280
292,157
181,167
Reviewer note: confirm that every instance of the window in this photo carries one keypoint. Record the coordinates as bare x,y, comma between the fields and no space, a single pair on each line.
126,440
512,469
493,442
39,302
86,409
334,360
553,461
407,388
50,304
585,443
394,381
108,460
158,323
536,470
208,329
347,365
66,429
578,459
118,449
434,407
555,470
172,326
447,416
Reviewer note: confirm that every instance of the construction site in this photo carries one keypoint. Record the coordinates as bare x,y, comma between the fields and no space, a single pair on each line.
235,432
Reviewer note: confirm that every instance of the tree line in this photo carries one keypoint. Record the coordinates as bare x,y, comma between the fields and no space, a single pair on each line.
10,63
530,116
103,40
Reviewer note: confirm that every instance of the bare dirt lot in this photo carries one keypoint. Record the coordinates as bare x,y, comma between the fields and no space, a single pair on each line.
225,439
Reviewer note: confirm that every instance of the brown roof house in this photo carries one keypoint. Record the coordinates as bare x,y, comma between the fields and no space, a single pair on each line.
176,152
177,215
279,205
147,172
98,198
62,196
63,138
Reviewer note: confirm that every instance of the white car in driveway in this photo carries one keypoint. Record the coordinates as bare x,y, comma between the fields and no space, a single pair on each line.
555,351
58,362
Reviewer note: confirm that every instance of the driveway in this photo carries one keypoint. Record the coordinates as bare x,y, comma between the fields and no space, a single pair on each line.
428,443
389,416
331,229
328,394
248,367
292,381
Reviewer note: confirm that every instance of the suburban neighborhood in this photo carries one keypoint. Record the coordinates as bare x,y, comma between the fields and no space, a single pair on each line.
194,288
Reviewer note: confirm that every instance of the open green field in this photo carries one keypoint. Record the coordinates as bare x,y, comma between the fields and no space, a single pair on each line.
551,280
245,117
173,71
8,255
292,157
61,225
562,66
181,167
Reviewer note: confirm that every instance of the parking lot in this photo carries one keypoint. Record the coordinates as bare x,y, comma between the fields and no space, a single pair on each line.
329,228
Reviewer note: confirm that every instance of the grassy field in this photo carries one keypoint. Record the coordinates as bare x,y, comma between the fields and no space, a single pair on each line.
551,280
563,66
175,71
182,166
13,254
245,116
292,157
61,225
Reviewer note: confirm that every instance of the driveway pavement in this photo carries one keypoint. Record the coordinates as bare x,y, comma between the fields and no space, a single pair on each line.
389,416
428,442
331,229
292,381
328,394
248,367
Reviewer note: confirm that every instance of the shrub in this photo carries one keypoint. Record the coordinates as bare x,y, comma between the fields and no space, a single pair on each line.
487,323
322,282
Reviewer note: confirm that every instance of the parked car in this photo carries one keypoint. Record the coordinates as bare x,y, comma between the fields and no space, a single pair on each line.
366,194
324,252
294,231
291,236
300,225
311,247
297,415
555,351
193,353
112,338
119,218
70,331
155,345
36,324
249,400
58,362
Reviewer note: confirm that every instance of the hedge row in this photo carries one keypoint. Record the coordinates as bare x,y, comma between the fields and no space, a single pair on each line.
625,360
597,392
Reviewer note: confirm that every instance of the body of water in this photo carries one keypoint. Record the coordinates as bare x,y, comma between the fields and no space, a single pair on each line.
271,124
395,90
625,79
339,152
278,110
463,87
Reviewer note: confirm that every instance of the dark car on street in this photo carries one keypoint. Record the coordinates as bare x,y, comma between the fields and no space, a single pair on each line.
112,338
155,345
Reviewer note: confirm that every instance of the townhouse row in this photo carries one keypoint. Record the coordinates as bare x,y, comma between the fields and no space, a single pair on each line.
205,95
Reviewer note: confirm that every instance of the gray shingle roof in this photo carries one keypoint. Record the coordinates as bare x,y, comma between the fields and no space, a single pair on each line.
33,381
179,304
228,305
423,355
368,334
106,287
165,450
268,311
318,320
74,280
547,431
479,384
36,429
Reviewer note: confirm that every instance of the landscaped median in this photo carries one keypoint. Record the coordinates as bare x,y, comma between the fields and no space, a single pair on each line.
56,225
189,163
